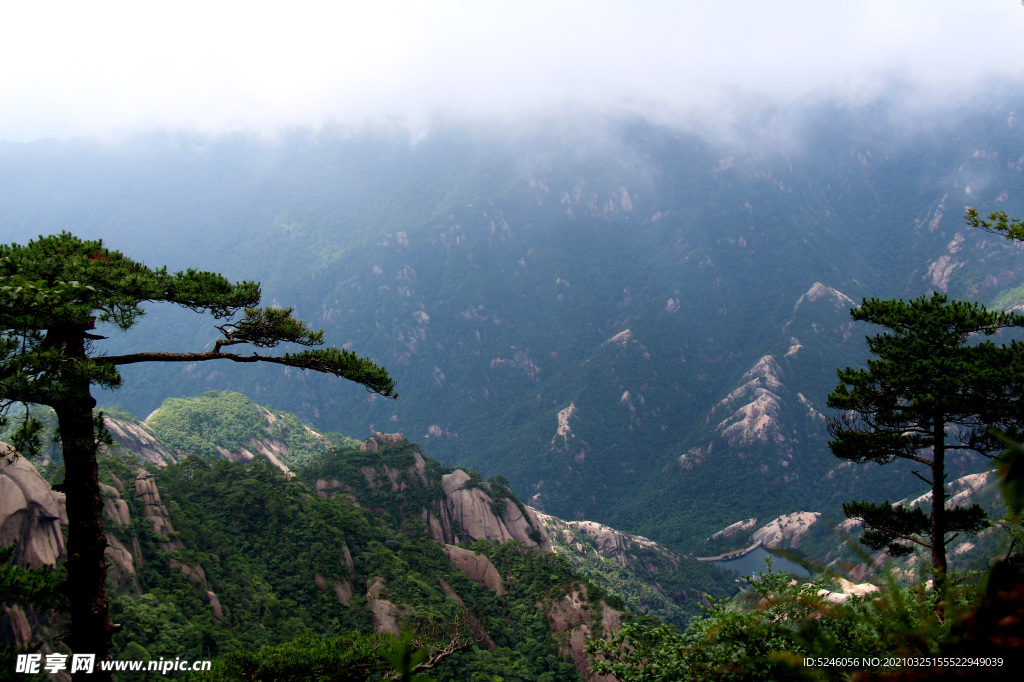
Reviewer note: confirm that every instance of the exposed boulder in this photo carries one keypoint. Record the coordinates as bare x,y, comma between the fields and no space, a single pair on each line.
195,574
608,543
15,628
477,568
572,616
378,440
564,431
115,509
218,610
734,529
470,507
343,590
756,418
383,612
30,514
469,510
140,439
154,510
121,564
819,292
787,531
846,591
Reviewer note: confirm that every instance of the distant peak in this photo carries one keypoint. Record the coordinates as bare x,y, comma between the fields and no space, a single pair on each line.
621,339
819,291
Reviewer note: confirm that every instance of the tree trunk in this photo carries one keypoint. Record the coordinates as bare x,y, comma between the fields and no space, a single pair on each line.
91,628
939,513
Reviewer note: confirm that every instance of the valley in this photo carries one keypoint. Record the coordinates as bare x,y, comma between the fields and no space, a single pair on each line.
613,340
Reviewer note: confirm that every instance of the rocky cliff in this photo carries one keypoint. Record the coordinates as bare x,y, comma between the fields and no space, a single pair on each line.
575,617
138,438
583,538
835,546
455,506
471,511
31,513
386,473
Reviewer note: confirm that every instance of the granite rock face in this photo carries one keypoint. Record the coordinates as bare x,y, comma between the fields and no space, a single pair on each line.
756,407
154,510
477,568
140,439
608,543
31,513
383,612
787,531
574,618
468,511
472,508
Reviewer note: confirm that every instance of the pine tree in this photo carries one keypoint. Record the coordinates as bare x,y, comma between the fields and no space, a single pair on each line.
930,390
53,291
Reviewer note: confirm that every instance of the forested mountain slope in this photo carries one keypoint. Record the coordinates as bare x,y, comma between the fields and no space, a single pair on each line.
216,547
634,323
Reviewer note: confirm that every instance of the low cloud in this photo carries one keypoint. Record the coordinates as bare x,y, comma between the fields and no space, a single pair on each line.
74,68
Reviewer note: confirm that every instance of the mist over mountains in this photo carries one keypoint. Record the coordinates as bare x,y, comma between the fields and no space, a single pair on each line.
635,323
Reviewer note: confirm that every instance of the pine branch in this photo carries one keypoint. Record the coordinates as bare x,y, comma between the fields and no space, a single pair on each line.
341,363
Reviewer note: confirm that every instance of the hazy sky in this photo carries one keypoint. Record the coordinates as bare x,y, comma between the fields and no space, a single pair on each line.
71,67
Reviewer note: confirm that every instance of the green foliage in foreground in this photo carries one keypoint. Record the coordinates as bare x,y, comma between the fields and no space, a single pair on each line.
997,223
345,658
766,633
40,588
929,392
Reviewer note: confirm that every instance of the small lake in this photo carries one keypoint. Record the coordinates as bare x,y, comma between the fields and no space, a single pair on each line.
751,563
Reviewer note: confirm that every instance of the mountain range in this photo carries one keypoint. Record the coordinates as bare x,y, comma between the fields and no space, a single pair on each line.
635,323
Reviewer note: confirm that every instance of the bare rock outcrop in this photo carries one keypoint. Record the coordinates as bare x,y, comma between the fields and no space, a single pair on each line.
154,510
477,568
383,612
140,439
572,617
846,591
343,591
469,510
271,448
218,610
756,407
31,514
734,529
608,543
787,531
379,440
121,564
15,626
470,506
194,574
115,509
820,292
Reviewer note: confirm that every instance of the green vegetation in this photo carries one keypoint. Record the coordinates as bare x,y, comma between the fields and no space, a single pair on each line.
767,632
53,292
223,419
367,477
274,555
927,394
526,267
997,223
41,589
